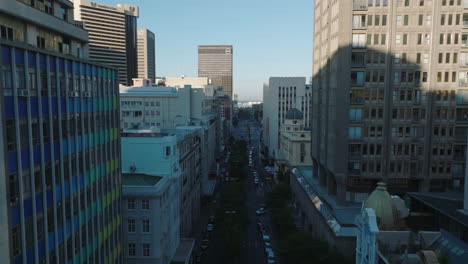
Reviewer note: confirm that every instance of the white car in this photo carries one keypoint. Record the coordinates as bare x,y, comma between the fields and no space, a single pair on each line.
260,211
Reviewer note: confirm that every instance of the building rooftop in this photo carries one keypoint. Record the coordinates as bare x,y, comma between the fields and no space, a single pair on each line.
294,113
138,179
339,218
447,203
148,91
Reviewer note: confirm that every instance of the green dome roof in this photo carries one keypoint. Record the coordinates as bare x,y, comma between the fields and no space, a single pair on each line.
382,203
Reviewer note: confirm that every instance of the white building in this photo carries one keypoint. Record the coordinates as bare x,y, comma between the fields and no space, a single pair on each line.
151,196
169,108
280,95
294,141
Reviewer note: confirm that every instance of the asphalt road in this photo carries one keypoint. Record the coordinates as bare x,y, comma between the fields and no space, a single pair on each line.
252,245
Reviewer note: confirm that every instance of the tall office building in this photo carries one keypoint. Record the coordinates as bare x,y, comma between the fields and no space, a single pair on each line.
389,95
146,54
59,141
279,96
215,62
112,35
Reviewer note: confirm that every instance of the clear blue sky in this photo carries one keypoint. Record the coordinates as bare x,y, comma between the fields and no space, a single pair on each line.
270,37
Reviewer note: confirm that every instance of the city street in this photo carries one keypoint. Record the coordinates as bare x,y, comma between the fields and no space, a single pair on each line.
253,249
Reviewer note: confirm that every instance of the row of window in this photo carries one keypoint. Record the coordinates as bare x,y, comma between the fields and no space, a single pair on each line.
145,225
145,204
145,249
139,103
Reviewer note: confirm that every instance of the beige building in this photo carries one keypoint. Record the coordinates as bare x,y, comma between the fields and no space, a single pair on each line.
112,35
215,62
403,65
182,81
294,141
146,54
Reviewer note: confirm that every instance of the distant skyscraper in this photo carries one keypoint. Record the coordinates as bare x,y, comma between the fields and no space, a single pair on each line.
59,141
112,35
215,62
146,54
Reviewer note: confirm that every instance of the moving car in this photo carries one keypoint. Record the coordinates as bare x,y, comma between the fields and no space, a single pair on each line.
266,237
210,227
270,257
260,227
260,211
204,244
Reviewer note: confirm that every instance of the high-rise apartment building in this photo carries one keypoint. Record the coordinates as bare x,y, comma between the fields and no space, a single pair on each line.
390,94
112,35
215,62
146,54
59,141
279,96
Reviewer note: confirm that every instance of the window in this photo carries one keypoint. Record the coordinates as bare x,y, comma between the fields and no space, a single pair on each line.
383,39
426,58
377,20
463,59
145,204
421,2
357,78
40,42
146,225
384,20
442,20
420,20
376,39
450,20
131,225
146,250
6,32
398,39
359,40
418,58
405,20
405,39
428,19
419,39
427,38
168,151
131,204
441,57
359,21
449,39
355,114
369,20
131,249
354,132
398,20
447,58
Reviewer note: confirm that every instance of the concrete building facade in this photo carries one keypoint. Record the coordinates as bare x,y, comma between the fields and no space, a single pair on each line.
59,141
151,179
146,54
215,62
112,35
402,63
279,96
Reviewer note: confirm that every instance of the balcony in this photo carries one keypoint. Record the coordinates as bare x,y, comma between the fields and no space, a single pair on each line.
359,4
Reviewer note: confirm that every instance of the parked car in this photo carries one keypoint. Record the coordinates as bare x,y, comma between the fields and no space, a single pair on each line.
260,211
204,244
210,227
